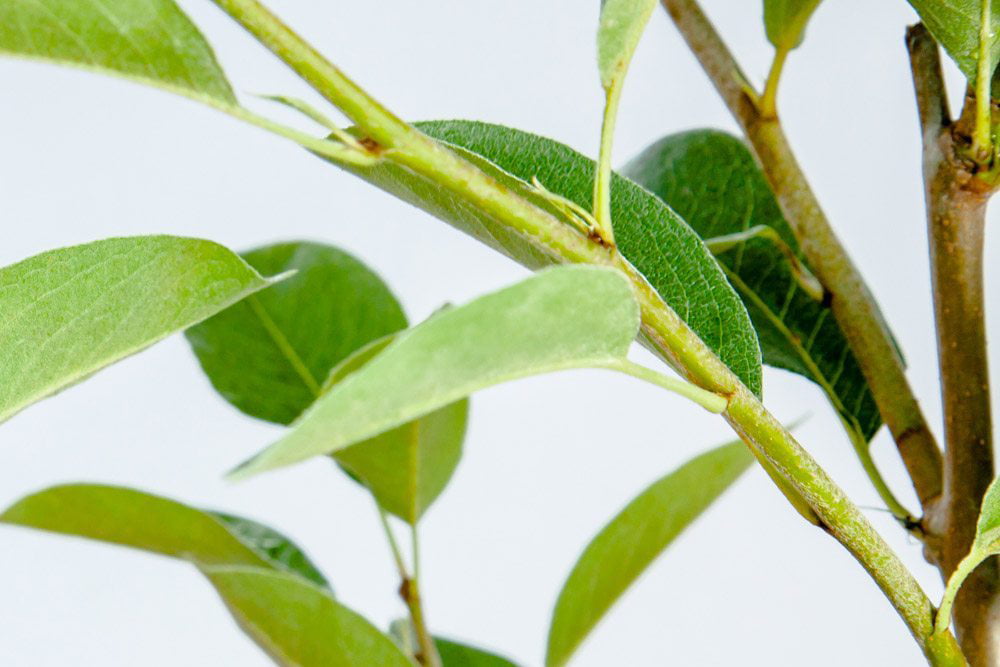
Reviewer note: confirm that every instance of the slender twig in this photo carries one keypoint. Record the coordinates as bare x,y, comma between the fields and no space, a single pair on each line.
769,99
851,302
956,207
768,439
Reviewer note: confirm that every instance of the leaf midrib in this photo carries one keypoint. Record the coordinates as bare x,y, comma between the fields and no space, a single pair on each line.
284,346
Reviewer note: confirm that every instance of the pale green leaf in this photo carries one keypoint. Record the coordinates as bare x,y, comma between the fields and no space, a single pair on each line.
148,40
405,468
956,24
151,523
633,539
988,526
652,237
269,354
712,180
299,624
621,26
562,318
785,21
70,312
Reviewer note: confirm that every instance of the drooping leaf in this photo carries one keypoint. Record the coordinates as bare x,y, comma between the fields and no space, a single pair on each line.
454,654
713,182
651,236
148,40
299,624
633,539
565,317
621,27
956,24
67,313
408,467
152,523
269,354
785,21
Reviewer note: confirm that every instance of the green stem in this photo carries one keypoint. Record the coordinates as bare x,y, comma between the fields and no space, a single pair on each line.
602,184
982,143
661,325
942,621
706,399
397,554
769,99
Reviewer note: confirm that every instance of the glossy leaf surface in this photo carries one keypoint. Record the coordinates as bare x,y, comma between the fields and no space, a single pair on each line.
70,312
566,317
269,354
711,179
633,539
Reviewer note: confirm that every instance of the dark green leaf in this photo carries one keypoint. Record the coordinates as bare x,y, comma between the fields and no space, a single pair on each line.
565,317
785,21
711,179
955,24
299,624
152,523
148,40
70,312
651,236
454,654
269,354
633,539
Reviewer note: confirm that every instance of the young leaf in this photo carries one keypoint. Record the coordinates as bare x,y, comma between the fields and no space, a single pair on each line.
70,312
148,40
633,539
566,317
713,182
956,25
785,21
269,354
621,28
299,624
651,236
143,521
454,654
405,468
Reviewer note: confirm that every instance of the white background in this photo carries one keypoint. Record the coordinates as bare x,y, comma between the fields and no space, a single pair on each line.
86,157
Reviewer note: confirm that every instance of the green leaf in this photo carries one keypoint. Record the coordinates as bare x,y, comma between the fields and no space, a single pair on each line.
73,311
621,27
454,654
651,236
299,624
633,539
713,182
785,21
566,317
955,24
151,41
408,467
269,354
144,521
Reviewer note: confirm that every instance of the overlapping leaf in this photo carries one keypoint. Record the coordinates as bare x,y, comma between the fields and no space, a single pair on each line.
67,313
633,539
711,179
405,468
149,40
269,354
651,236
565,317
144,521
299,624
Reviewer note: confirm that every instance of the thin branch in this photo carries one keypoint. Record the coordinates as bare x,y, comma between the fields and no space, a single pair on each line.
852,304
765,435
928,82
